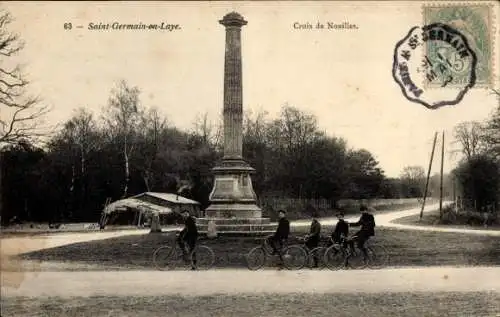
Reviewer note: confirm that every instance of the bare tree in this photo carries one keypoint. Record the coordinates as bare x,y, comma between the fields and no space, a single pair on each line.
20,114
297,127
414,178
469,135
209,132
122,116
293,130
81,129
151,127
255,126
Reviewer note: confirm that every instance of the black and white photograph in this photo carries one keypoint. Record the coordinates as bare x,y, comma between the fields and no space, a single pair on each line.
249,158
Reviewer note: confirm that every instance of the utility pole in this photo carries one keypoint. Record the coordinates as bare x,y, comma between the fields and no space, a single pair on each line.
428,175
441,184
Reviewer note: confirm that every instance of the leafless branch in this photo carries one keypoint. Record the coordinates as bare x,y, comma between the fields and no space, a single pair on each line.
20,115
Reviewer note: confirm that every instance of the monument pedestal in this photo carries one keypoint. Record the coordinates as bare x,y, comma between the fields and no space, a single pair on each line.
233,206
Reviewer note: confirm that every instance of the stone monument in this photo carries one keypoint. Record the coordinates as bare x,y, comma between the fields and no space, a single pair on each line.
233,201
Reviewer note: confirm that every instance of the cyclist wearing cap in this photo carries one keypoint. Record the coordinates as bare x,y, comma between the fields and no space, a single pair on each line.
367,223
312,239
188,235
281,234
341,229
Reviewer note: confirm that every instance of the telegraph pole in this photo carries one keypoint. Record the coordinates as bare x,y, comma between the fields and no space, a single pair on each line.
428,175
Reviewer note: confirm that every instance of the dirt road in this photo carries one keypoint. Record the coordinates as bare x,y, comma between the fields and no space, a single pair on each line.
188,283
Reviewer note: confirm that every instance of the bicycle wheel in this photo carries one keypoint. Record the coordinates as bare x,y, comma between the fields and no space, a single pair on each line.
202,258
294,257
356,259
256,258
165,258
317,255
334,257
377,256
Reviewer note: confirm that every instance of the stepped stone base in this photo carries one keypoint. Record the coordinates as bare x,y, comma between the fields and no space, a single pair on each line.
238,227
241,234
234,221
230,210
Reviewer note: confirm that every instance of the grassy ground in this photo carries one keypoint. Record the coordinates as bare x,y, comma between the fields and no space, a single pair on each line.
405,248
432,219
318,305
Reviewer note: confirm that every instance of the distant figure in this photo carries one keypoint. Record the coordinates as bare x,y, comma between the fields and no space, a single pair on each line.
281,234
341,229
211,229
367,223
155,222
189,236
312,239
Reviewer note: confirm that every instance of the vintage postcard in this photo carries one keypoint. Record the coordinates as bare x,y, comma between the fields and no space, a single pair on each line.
250,158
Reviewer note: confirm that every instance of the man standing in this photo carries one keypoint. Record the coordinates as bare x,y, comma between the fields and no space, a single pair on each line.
189,235
312,239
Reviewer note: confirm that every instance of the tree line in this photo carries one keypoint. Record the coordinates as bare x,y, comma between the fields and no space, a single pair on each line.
70,172
478,171
129,148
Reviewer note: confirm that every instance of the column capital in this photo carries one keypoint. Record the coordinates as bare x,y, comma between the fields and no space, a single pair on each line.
233,19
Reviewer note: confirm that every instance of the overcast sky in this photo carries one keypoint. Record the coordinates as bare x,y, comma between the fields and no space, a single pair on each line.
341,76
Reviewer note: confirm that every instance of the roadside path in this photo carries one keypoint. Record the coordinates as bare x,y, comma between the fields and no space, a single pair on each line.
387,220
230,281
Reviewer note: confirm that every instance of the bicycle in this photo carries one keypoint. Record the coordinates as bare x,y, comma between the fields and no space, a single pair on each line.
317,252
347,254
168,257
293,257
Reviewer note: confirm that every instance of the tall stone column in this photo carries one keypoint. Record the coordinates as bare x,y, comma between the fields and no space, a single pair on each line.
233,90
233,195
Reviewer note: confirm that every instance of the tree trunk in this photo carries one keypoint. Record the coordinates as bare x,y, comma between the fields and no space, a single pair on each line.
82,158
83,182
127,173
71,204
145,176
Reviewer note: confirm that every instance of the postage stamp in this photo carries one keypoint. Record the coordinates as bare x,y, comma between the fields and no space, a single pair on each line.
434,54
475,21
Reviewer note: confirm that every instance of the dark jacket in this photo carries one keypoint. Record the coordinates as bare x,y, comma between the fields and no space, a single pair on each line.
190,229
315,230
342,228
367,223
283,229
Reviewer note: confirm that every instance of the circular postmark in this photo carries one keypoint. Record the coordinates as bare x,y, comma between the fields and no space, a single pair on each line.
434,65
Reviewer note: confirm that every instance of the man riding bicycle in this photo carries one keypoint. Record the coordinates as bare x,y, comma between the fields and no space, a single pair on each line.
188,235
367,223
312,239
281,234
341,230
